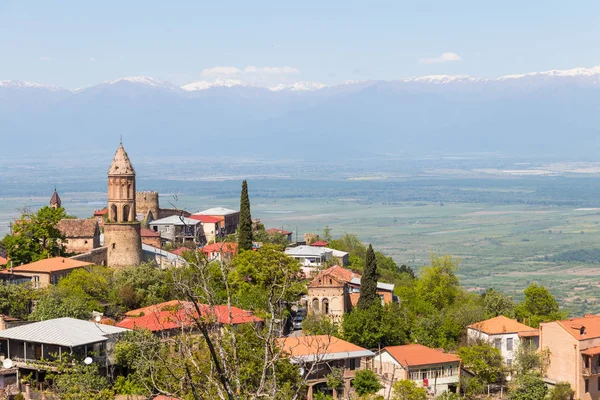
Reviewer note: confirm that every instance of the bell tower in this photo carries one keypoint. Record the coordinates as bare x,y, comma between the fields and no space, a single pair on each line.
122,232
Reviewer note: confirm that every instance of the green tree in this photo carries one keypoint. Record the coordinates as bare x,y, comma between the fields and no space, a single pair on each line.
16,300
94,282
408,390
56,302
335,378
561,391
140,286
368,282
497,303
245,229
404,269
375,326
35,236
366,382
538,306
528,387
76,381
319,324
529,360
485,361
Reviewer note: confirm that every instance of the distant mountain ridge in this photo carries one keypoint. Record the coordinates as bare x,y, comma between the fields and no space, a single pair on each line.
540,113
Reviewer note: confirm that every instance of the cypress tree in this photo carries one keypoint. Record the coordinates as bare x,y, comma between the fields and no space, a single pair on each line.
245,229
368,282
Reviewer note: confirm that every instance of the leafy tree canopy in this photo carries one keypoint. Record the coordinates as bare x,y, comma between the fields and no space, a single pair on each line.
485,361
366,382
375,326
408,390
538,306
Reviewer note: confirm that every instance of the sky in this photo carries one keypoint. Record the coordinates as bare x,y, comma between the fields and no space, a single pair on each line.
80,43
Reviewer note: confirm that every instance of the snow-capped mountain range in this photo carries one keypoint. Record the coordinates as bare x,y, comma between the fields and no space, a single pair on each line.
588,75
550,112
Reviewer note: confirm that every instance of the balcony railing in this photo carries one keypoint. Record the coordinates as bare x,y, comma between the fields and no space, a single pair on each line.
589,371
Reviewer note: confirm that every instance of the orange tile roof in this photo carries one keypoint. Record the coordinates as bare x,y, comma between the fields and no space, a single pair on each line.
277,230
163,397
50,265
99,213
180,250
592,351
590,325
176,314
3,261
341,274
319,243
207,219
298,346
145,232
499,325
225,247
416,354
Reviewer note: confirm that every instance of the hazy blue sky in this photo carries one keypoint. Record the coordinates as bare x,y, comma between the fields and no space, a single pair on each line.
79,43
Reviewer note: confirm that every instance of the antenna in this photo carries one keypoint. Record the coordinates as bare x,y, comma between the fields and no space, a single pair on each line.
121,139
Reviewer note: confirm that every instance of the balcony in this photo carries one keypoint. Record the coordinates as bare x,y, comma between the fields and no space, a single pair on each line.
590,371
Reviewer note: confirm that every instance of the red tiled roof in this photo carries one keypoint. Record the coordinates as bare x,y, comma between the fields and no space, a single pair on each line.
416,354
99,213
592,351
145,232
499,325
225,247
163,397
208,219
587,327
276,230
49,265
78,228
176,314
180,250
319,243
3,261
341,274
297,346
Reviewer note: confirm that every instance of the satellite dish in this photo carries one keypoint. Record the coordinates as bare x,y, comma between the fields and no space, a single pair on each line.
88,360
7,363
98,319
301,371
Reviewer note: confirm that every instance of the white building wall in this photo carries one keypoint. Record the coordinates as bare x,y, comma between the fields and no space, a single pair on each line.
501,341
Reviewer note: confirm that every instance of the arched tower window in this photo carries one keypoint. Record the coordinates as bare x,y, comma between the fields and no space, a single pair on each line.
125,213
325,307
113,213
315,305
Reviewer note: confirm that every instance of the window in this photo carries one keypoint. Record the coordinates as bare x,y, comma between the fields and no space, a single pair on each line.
586,361
36,282
498,343
598,365
352,365
325,307
587,386
509,344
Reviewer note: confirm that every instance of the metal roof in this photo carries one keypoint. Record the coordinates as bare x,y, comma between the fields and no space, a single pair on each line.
331,356
175,220
336,253
217,211
380,285
68,332
306,251
146,248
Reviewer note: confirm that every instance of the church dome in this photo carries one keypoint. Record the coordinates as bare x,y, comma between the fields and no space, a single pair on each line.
121,164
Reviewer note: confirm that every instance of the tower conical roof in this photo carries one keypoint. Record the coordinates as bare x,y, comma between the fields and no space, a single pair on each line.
121,164
55,199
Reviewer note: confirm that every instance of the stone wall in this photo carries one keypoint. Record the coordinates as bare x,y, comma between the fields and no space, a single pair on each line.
96,256
124,244
147,201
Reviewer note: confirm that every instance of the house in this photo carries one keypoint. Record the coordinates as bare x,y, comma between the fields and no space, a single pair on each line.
212,226
429,368
172,316
319,243
164,259
310,256
340,257
275,231
101,215
220,251
82,235
336,291
9,384
505,334
317,355
8,322
574,346
150,237
3,261
30,345
47,271
178,229
231,217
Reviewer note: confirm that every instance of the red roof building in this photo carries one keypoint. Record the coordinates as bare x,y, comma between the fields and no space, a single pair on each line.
177,314
319,243
207,219
220,250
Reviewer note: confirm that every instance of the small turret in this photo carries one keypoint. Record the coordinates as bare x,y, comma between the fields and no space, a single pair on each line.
55,201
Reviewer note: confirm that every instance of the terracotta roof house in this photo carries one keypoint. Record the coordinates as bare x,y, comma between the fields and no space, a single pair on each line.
429,368
82,235
574,346
47,271
220,250
3,261
100,215
231,218
319,354
175,315
319,243
336,291
150,237
273,231
213,226
505,333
